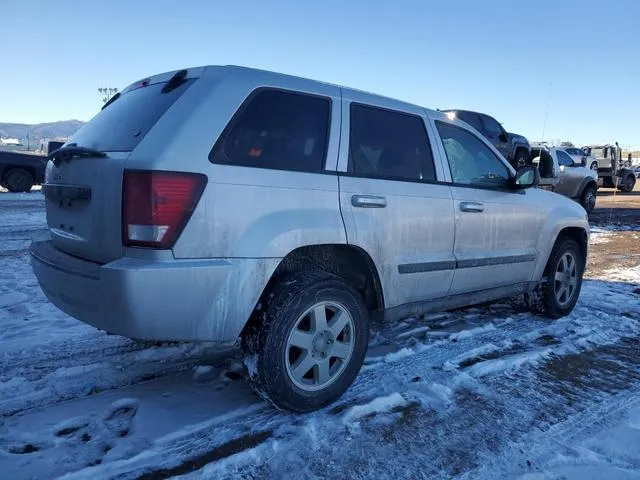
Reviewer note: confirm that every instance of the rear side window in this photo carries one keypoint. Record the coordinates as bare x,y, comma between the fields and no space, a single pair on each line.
389,144
124,123
278,130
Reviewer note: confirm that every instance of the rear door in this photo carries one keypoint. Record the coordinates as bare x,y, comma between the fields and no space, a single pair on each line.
392,205
83,194
496,228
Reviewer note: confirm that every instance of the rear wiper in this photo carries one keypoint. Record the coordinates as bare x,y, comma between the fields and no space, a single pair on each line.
111,100
71,150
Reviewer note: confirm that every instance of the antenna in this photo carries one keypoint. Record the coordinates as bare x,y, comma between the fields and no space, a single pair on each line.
546,113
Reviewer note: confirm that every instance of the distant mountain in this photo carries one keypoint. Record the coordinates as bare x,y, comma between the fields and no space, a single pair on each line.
39,131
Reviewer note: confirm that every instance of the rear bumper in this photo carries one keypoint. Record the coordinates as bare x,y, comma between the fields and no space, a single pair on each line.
191,300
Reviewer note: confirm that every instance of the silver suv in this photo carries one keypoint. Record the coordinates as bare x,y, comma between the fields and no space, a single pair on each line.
224,204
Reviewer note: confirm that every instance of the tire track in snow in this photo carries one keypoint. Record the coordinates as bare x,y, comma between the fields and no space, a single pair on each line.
454,396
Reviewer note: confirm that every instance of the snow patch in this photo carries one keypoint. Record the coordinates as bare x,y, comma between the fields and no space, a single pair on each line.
203,373
414,331
251,364
471,332
378,405
400,354
508,363
12,298
596,238
630,275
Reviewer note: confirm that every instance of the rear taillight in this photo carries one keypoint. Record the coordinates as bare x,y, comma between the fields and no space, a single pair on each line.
157,205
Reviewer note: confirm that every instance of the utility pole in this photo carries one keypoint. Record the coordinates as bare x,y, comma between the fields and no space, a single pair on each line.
107,93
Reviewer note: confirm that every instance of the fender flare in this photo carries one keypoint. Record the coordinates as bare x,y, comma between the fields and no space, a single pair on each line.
585,182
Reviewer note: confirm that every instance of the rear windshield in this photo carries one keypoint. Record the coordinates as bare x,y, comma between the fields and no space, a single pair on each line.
121,126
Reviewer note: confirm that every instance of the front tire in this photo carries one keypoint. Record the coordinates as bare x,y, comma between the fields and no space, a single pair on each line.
18,180
588,198
309,342
563,275
594,166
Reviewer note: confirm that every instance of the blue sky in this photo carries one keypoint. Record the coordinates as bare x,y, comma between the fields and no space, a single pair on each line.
498,57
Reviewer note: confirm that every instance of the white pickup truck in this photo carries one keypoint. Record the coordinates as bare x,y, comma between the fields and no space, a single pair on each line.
560,174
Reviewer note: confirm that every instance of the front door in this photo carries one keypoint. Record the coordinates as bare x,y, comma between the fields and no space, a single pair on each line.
570,176
392,206
496,227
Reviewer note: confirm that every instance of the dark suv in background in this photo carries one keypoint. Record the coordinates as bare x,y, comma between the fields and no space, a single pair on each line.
515,148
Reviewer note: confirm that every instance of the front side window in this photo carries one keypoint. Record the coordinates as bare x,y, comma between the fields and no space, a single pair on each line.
470,160
491,125
564,159
278,130
388,144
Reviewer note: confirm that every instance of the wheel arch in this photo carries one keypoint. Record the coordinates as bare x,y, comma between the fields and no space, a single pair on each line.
554,231
349,262
589,182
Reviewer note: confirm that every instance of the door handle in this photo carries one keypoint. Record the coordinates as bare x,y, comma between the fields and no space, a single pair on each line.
473,207
368,201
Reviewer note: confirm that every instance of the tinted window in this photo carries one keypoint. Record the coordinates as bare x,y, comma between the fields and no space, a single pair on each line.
279,130
389,144
472,119
564,159
491,125
470,160
124,123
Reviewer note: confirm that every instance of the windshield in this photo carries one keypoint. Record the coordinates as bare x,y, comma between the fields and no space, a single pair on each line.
126,121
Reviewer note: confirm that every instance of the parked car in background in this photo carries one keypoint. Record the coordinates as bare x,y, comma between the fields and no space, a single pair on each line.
282,214
515,148
582,158
614,171
574,181
19,172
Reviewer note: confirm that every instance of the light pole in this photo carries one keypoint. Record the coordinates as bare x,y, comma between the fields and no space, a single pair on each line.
107,93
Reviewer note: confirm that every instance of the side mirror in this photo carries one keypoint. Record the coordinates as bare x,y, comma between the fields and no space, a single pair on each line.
503,137
526,177
584,161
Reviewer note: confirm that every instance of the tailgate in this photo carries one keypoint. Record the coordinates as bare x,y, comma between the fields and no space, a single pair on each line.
84,192
83,202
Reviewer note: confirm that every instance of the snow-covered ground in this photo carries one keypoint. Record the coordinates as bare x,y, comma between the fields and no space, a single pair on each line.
490,392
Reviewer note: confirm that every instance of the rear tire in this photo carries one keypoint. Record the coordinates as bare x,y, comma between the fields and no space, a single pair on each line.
628,184
588,198
297,354
18,180
563,274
